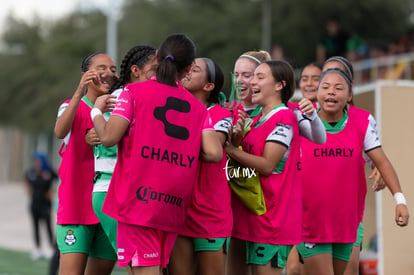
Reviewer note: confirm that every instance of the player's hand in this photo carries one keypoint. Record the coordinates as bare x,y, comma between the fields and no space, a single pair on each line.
105,103
237,132
306,106
401,215
379,183
228,145
88,77
92,138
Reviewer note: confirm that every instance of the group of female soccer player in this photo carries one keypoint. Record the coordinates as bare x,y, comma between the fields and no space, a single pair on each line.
143,178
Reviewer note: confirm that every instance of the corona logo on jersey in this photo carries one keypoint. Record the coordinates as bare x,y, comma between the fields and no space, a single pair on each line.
170,129
70,238
147,194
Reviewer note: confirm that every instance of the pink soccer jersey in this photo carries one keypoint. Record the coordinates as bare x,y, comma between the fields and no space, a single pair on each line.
236,113
334,183
362,114
158,159
281,224
209,214
250,114
76,172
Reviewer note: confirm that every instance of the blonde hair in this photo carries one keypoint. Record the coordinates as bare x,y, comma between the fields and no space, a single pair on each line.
261,56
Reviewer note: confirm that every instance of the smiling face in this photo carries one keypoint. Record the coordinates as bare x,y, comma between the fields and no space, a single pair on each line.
106,69
196,78
309,81
333,95
244,72
264,86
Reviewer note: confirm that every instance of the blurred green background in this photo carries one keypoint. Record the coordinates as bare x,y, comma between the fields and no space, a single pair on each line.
41,58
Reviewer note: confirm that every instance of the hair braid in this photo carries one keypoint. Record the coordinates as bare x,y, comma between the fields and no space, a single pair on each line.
137,55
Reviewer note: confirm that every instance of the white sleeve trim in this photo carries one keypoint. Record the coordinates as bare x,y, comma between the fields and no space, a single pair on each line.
62,108
283,133
223,125
371,140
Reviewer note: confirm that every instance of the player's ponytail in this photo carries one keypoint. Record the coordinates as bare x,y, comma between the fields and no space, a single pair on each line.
283,72
175,54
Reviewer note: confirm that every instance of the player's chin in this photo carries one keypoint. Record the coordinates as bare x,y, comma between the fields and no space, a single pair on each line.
105,89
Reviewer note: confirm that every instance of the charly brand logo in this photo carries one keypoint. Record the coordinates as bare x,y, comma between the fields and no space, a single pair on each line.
151,255
333,152
259,250
170,157
170,129
147,194
235,172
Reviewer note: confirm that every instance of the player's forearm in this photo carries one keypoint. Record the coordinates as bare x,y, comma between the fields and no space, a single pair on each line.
65,121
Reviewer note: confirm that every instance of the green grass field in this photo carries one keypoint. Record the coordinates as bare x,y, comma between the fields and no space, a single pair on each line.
20,263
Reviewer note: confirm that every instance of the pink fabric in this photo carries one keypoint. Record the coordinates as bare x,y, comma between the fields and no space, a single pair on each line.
125,110
158,159
363,187
281,224
208,123
122,107
76,172
334,183
209,214
235,112
142,246
294,106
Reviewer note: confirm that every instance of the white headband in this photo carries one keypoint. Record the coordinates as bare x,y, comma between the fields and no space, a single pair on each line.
252,58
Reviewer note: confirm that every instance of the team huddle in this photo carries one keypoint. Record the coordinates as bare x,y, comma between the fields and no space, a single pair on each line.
152,154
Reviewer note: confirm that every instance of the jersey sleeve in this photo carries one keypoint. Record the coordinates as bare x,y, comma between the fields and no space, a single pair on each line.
117,92
283,134
223,125
124,106
371,140
62,108
208,124
311,128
